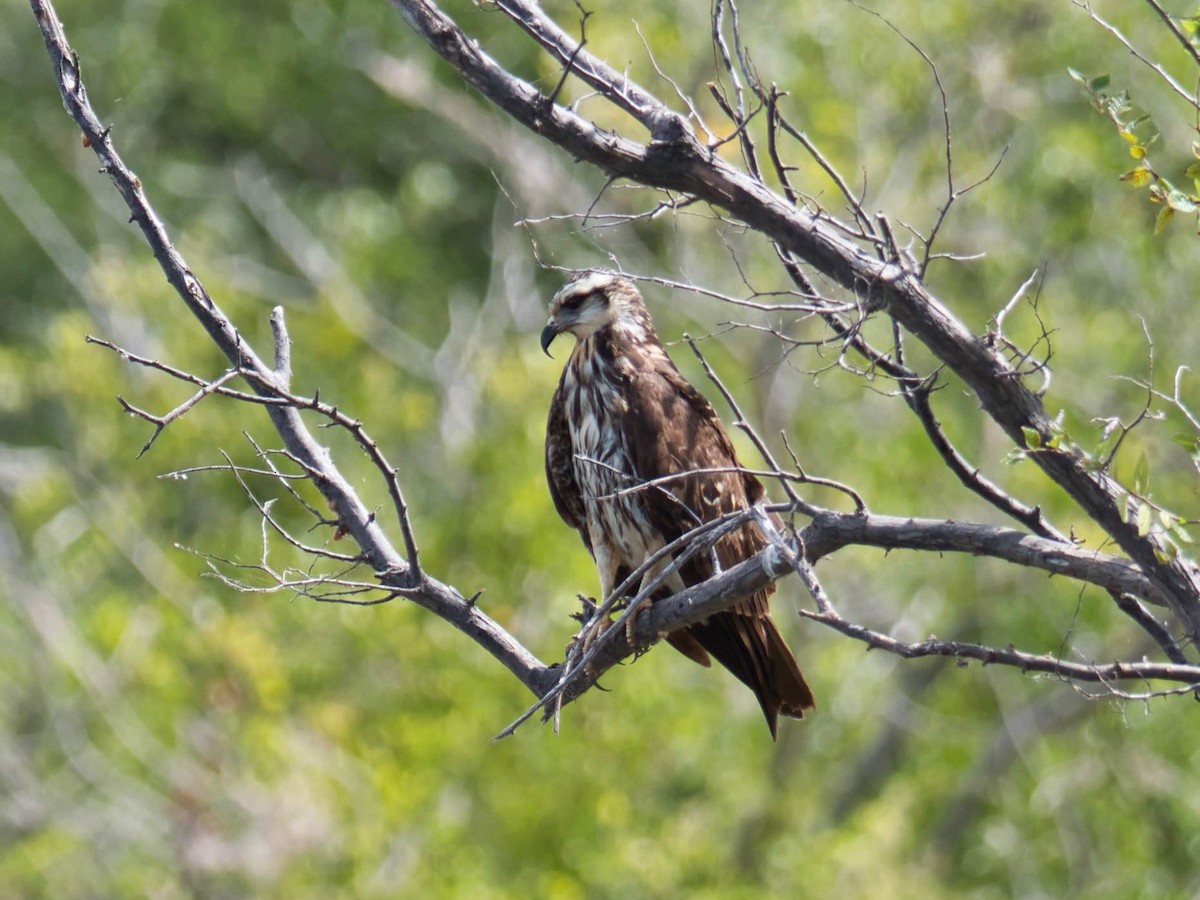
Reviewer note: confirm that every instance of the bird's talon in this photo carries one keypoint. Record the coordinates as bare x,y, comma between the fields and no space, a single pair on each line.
631,629
587,609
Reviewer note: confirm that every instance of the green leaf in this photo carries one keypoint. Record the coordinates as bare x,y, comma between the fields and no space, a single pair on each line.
1164,216
1144,518
1119,105
1079,77
1189,442
1100,82
1141,475
1181,202
1033,439
1139,177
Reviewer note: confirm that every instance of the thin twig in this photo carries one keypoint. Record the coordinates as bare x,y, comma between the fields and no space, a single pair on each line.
740,421
1185,40
1101,673
1157,68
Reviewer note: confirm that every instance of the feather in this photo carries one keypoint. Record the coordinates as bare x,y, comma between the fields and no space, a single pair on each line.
623,415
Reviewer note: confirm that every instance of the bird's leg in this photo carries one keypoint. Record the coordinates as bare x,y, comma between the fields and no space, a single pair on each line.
648,584
594,629
593,625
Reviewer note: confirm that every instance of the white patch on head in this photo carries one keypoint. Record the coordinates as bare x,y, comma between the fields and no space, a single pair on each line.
586,283
598,299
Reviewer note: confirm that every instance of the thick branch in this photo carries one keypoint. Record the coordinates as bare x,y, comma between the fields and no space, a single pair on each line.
261,377
674,157
675,160
831,531
394,570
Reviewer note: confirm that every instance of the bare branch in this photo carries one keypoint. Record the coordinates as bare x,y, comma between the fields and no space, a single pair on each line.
1180,35
736,112
1097,673
283,349
741,422
679,92
394,571
1151,625
861,256
161,422
264,510
614,85
1157,68
831,531
854,200
674,160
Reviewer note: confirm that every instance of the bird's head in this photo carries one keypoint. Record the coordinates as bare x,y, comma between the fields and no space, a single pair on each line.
595,300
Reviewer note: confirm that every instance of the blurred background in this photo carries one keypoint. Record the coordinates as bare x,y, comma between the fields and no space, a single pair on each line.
163,735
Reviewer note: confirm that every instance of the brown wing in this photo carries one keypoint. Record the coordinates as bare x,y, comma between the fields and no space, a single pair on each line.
672,429
560,468
568,500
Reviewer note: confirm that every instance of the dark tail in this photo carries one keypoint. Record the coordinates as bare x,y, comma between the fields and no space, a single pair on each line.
751,647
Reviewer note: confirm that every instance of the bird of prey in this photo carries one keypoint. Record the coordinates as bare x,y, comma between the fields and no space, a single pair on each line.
623,416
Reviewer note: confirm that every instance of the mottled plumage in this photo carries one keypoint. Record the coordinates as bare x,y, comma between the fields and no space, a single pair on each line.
623,415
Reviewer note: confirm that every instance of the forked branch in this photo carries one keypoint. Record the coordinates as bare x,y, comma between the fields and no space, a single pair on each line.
674,160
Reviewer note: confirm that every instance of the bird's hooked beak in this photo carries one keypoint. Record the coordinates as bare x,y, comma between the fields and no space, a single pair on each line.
549,333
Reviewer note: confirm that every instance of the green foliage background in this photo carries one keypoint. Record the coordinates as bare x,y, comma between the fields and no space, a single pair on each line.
163,735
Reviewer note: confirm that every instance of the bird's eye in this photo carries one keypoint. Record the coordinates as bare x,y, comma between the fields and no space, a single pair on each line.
575,301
